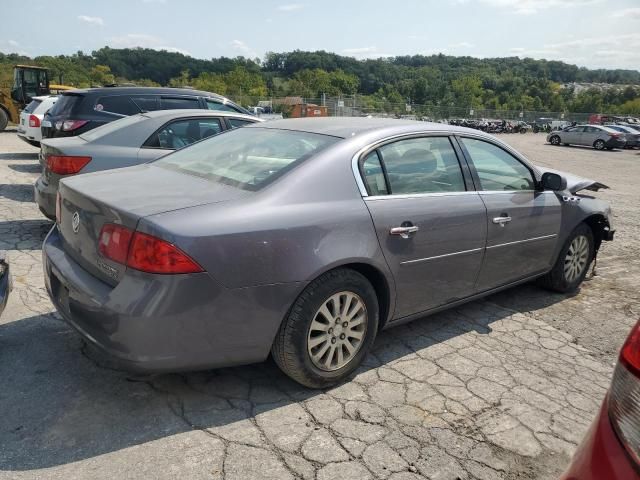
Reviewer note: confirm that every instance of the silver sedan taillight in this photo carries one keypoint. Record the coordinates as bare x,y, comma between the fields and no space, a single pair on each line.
624,396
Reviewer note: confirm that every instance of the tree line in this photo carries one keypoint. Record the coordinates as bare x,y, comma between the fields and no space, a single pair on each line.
437,80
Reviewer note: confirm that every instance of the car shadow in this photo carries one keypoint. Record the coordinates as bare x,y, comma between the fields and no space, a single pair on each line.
584,147
25,168
23,234
17,192
66,404
19,156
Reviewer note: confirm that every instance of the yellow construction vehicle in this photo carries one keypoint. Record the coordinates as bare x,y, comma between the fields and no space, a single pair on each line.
28,81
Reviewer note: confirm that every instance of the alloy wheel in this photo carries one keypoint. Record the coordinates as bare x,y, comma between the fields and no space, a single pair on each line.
575,262
337,331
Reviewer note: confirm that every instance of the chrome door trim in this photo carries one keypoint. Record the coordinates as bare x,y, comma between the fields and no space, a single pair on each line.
526,240
418,195
462,252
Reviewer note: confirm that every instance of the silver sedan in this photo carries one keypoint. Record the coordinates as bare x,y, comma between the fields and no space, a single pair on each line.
130,141
305,238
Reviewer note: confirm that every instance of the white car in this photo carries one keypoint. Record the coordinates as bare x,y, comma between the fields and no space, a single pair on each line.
31,118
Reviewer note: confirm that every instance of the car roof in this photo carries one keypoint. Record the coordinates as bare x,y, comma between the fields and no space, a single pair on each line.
143,91
345,127
192,112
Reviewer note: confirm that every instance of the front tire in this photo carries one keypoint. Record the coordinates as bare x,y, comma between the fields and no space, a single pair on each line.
555,140
573,262
4,120
328,330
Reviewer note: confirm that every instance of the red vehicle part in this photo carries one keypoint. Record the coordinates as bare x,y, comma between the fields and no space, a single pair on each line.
611,448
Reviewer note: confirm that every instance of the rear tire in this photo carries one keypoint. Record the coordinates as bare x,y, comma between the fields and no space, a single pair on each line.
573,262
555,140
335,309
4,120
599,145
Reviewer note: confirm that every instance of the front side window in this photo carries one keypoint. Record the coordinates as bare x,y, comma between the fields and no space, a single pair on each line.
422,165
497,169
237,122
181,133
213,105
247,158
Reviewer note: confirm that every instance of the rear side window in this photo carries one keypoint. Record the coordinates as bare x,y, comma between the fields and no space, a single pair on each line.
179,103
422,165
219,106
32,106
374,175
118,104
247,158
146,103
237,122
66,105
181,133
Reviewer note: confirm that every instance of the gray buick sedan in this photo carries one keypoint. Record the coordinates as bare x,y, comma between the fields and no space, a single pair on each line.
304,238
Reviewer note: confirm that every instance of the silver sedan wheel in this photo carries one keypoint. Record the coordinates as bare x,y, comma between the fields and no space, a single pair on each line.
575,262
337,331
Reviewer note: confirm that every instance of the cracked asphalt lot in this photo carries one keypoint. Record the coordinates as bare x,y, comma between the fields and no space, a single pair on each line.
502,388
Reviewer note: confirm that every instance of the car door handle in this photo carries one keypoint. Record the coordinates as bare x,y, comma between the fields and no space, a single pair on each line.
404,232
501,220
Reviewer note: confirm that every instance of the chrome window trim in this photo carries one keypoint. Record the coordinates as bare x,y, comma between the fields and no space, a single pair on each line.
526,240
511,192
462,252
355,160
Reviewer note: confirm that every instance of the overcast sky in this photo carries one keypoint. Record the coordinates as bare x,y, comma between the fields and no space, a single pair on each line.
591,33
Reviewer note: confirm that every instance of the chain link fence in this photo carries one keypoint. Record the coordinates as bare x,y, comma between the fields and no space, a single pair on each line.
359,106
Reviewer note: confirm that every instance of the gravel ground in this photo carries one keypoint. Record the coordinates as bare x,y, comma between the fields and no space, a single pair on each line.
502,388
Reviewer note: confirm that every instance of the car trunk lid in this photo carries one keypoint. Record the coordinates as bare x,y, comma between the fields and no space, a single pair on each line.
123,197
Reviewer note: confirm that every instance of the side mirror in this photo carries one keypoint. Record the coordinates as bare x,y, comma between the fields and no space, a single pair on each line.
553,181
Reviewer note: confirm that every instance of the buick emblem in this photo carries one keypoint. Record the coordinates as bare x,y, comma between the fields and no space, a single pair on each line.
75,222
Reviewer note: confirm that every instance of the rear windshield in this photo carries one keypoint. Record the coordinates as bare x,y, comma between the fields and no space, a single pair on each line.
32,106
107,128
247,158
65,104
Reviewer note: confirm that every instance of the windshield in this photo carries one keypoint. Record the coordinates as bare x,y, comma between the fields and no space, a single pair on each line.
107,128
32,106
247,158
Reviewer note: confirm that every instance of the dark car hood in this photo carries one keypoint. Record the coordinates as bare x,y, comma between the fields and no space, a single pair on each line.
575,183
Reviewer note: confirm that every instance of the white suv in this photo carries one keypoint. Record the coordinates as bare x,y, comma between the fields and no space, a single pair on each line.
31,118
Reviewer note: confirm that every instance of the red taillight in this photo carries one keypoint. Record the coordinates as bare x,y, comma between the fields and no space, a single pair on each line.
150,254
624,395
630,353
65,164
34,121
114,242
70,125
144,252
58,207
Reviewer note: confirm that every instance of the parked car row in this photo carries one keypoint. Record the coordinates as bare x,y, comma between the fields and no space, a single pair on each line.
599,137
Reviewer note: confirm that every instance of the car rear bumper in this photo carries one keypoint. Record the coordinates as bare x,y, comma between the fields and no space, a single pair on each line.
45,197
601,455
159,323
